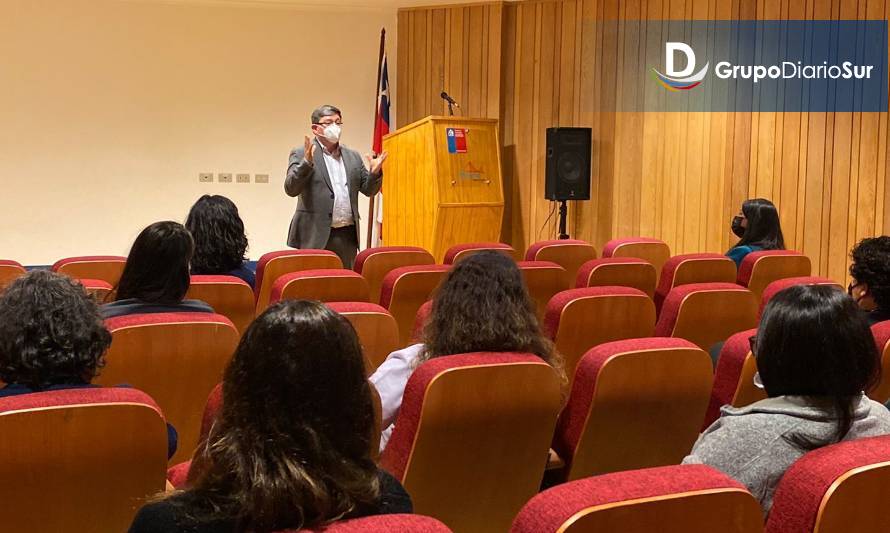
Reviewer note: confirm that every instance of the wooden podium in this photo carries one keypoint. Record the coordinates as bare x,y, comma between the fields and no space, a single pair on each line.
442,184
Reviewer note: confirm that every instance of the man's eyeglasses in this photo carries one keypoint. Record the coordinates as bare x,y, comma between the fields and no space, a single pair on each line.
328,123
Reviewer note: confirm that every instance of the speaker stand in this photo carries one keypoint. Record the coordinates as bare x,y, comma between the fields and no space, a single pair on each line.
563,210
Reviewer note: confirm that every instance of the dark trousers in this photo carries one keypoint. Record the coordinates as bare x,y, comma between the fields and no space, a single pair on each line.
344,242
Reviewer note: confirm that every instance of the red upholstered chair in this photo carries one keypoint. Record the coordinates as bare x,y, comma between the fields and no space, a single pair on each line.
79,459
618,271
655,251
97,288
229,296
459,251
759,269
105,267
693,268
423,314
324,285
275,264
543,279
881,391
405,289
177,358
634,404
387,523
9,271
779,285
668,499
707,313
579,319
376,329
375,263
734,377
570,254
471,439
836,489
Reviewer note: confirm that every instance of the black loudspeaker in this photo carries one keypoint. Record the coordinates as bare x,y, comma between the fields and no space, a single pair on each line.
568,164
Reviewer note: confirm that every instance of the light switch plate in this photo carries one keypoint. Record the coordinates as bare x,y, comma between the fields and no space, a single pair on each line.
205,177
261,178
224,177
242,178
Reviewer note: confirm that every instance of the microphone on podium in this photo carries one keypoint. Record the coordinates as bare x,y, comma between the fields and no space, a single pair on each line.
451,103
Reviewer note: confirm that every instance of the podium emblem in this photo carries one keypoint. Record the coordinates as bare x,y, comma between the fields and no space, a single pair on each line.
457,140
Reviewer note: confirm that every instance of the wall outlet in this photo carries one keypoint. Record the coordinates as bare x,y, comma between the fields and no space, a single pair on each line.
242,178
261,178
205,177
224,177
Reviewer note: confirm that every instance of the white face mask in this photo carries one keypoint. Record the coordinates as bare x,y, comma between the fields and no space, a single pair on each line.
332,133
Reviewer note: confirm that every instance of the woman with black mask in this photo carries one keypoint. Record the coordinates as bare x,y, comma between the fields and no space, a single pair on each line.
758,228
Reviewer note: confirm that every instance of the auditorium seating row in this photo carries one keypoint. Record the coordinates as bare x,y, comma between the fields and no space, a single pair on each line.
474,462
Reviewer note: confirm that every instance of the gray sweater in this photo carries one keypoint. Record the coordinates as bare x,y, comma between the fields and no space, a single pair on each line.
747,442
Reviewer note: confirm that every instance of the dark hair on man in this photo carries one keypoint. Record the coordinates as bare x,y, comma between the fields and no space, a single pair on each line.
51,332
813,341
871,266
292,446
483,305
157,269
325,111
218,232
764,227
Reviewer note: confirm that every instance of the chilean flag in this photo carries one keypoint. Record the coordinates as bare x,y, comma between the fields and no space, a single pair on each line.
381,128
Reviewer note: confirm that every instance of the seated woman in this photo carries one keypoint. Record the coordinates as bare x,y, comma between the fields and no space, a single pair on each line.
758,228
815,356
52,337
292,447
870,270
156,276
481,306
220,242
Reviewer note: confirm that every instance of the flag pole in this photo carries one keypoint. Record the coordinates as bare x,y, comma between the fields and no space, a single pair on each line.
376,118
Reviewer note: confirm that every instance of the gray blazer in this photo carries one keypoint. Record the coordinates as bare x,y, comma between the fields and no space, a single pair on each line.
311,224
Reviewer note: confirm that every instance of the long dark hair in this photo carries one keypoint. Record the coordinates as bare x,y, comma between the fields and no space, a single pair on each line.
157,269
51,332
292,446
218,231
813,341
764,228
483,306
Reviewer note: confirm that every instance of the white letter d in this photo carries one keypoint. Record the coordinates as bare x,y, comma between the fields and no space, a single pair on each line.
670,48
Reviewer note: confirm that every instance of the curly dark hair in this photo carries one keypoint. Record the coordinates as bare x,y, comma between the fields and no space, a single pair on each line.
871,266
220,242
51,332
483,305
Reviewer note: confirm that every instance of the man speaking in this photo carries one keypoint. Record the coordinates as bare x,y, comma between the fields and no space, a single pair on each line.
327,177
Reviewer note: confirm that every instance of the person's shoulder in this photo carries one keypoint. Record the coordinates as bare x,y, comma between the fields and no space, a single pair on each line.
160,517
199,306
394,499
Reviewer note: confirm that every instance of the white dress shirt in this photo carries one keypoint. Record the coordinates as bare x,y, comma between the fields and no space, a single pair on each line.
342,214
390,380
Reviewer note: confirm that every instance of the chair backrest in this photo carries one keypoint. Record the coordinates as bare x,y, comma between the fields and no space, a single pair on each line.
324,285
655,251
579,319
97,288
707,313
229,296
105,267
9,271
881,392
79,459
570,254
377,330
544,279
471,439
275,264
405,289
618,271
668,499
693,268
386,523
734,377
459,251
177,358
375,263
836,489
759,269
634,404
779,285
420,320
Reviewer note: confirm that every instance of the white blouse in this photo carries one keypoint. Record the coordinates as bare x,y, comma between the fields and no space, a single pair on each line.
390,380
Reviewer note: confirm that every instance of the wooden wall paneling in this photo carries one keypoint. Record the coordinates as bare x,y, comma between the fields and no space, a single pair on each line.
403,74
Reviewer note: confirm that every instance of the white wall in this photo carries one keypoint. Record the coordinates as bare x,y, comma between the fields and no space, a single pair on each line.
110,109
